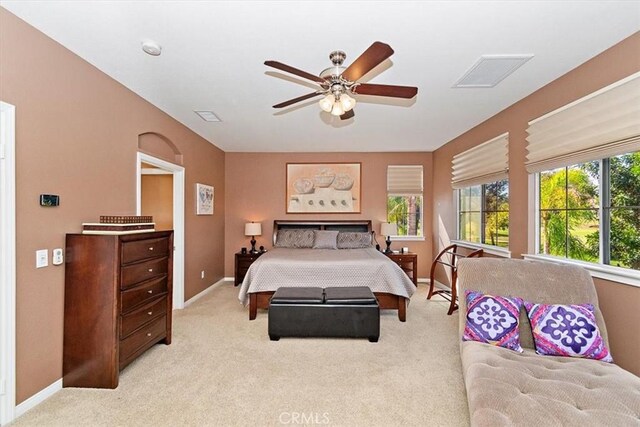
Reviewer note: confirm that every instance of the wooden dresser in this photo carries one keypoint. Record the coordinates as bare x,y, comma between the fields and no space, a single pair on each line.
118,301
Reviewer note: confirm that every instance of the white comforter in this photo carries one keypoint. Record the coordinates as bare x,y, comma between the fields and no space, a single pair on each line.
323,268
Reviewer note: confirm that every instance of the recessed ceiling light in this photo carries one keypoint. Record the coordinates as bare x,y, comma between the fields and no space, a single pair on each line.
491,70
208,116
152,48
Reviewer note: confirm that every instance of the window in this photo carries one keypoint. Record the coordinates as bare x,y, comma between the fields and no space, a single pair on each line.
483,213
591,211
405,199
480,176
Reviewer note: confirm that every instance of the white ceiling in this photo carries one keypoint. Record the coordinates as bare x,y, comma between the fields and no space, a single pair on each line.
213,55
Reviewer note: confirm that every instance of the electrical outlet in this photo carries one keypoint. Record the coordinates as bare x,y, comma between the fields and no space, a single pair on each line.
57,257
202,274
42,258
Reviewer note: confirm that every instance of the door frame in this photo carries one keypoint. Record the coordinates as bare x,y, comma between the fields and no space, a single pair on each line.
7,264
178,218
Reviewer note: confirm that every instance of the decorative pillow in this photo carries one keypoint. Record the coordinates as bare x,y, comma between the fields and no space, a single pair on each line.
566,330
354,240
325,239
493,320
294,238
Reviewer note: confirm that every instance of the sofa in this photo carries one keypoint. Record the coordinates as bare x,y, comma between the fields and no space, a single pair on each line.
507,388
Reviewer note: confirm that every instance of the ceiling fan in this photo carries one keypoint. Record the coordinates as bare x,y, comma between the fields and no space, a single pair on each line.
337,82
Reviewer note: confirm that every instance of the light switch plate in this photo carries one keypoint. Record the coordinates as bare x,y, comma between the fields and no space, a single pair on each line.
42,258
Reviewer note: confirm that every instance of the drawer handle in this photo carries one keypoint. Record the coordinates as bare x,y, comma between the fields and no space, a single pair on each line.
150,313
150,291
151,270
150,248
149,334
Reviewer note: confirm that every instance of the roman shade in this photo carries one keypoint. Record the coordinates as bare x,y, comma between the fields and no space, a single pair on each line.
603,124
482,164
404,180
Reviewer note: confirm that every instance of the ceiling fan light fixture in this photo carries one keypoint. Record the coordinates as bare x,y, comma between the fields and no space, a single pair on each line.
347,102
337,109
326,103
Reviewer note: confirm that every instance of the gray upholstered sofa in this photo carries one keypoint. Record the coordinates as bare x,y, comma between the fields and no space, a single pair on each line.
506,388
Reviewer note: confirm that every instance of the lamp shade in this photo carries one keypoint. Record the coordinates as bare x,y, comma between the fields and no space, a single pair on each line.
337,109
253,229
388,229
326,103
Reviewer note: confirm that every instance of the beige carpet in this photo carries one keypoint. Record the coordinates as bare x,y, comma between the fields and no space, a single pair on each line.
222,369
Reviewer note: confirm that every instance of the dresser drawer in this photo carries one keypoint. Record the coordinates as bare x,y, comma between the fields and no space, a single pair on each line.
141,339
143,293
140,272
131,321
143,249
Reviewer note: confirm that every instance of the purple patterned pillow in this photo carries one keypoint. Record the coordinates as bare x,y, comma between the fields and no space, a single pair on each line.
493,320
566,330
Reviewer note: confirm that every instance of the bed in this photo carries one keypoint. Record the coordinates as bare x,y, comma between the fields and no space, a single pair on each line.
363,266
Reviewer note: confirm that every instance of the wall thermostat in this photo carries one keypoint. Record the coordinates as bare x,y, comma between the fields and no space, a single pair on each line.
49,200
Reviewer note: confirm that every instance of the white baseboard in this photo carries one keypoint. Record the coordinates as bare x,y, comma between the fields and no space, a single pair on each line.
38,398
206,291
228,278
423,280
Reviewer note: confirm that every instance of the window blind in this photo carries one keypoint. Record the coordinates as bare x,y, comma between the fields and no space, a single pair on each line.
603,124
404,179
482,164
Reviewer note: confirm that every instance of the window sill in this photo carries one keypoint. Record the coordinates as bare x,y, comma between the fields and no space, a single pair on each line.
407,238
492,250
606,272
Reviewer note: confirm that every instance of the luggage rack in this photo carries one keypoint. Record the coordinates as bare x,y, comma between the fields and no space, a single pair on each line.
451,261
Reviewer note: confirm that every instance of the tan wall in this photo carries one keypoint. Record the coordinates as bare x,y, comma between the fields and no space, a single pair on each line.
612,65
256,192
157,199
76,135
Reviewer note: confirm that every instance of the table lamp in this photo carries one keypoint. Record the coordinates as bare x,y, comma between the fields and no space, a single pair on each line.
253,229
388,229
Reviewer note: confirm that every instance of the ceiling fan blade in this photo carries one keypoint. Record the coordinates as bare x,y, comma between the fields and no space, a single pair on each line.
298,99
374,55
292,70
346,116
386,90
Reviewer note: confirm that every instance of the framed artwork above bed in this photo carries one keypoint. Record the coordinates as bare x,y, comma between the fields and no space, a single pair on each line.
323,188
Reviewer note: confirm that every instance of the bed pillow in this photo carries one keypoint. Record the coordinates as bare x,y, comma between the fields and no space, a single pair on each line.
325,239
493,320
566,330
354,240
294,238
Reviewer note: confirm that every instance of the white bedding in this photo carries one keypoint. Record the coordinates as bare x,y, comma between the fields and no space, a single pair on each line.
323,268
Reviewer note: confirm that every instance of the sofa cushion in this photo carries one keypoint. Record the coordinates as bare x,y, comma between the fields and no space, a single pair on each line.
493,320
505,388
566,330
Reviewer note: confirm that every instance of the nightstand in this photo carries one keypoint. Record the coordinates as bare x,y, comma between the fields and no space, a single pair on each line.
408,262
243,261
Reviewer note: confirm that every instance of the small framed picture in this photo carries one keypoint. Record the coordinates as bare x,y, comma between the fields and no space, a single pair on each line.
204,199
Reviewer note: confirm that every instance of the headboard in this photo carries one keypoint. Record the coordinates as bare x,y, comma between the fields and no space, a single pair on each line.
337,225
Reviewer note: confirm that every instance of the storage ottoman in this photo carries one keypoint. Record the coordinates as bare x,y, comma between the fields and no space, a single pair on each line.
348,312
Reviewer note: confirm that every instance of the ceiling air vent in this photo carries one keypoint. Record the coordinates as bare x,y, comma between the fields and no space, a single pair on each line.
208,116
491,70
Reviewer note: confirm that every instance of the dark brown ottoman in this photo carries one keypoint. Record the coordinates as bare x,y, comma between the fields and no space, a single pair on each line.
347,312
